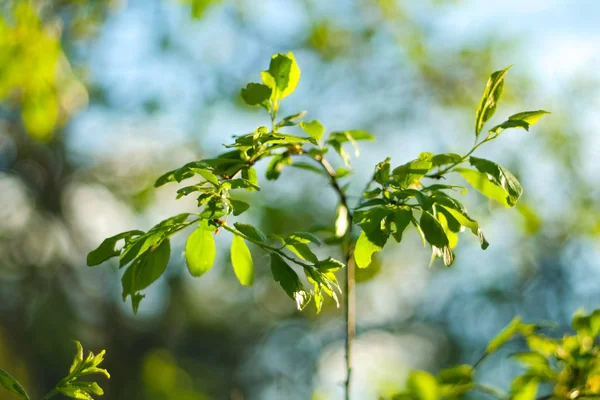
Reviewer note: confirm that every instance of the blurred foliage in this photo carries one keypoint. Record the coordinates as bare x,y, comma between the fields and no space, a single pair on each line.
568,367
70,386
403,69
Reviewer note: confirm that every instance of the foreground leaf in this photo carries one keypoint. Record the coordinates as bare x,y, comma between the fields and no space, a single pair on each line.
489,100
200,250
241,259
289,281
12,385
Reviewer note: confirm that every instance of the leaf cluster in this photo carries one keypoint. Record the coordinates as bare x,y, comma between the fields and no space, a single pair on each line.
569,366
71,385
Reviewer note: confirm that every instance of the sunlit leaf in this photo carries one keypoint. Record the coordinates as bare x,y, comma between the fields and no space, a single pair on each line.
241,259
256,94
200,250
289,281
314,129
489,100
250,231
283,75
364,250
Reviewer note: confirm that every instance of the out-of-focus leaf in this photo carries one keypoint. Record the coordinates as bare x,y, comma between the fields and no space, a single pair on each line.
313,129
12,385
256,94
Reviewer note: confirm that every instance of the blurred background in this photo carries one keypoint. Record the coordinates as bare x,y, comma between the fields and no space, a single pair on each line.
99,97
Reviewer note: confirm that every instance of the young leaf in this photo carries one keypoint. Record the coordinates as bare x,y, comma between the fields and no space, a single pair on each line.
411,172
12,385
382,172
490,98
444,159
481,182
513,328
330,264
313,129
256,94
250,231
290,120
289,281
435,235
363,252
530,117
238,206
200,250
501,177
107,249
283,75
423,386
401,219
146,269
241,259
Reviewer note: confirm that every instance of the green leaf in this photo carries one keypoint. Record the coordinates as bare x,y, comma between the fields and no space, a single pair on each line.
283,75
524,388
401,219
303,237
250,231
303,251
289,281
363,252
200,250
241,259
459,374
530,117
349,136
500,177
313,129
482,184
308,167
466,221
146,269
433,230
435,235
489,100
423,386
337,139
330,264
382,172
290,120
238,206
107,249
278,161
206,174
411,172
513,328
444,159
12,385
256,94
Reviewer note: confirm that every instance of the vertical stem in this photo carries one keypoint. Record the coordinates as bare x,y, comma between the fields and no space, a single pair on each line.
350,309
350,299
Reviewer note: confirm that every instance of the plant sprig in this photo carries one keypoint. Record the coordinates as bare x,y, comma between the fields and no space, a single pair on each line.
71,385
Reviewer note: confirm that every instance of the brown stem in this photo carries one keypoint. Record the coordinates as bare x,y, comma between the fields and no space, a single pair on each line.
350,299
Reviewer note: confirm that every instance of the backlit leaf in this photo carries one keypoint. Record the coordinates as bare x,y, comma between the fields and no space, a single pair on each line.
200,250
241,259
489,100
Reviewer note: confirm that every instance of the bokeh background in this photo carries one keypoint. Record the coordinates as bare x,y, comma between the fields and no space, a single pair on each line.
99,97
